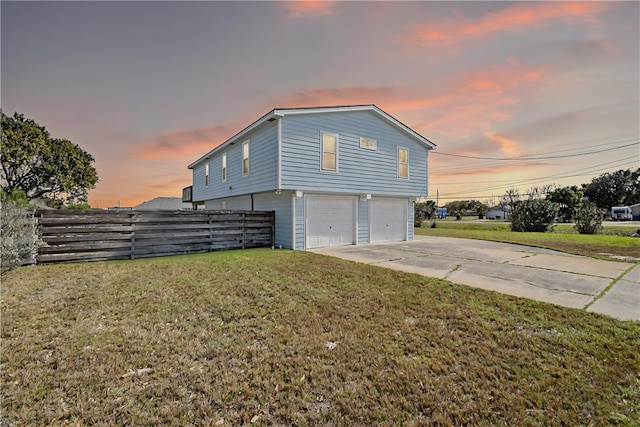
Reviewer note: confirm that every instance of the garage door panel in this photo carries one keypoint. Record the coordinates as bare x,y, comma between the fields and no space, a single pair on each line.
330,221
388,220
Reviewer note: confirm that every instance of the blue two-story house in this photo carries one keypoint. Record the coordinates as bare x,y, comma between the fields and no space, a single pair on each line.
333,175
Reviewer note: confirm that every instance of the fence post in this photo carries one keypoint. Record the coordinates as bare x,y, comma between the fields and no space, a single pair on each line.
132,240
273,228
244,228
209,217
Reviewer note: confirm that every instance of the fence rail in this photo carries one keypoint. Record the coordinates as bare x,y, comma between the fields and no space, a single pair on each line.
104,235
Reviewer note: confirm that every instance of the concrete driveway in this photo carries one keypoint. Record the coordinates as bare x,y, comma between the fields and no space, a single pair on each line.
607,287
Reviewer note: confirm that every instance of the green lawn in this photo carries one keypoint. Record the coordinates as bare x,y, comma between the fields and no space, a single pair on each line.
294,338
614,241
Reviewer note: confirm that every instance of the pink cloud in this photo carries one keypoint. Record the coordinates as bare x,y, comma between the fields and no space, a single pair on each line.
508,146
514,18
461,106
308,8
475,101
181,143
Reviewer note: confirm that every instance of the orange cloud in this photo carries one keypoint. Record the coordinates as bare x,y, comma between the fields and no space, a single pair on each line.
308,8
514,18
467,104
350,95
181,143
474,101
507,146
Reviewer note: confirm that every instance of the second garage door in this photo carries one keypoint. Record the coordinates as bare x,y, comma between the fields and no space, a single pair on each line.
388,220
330,221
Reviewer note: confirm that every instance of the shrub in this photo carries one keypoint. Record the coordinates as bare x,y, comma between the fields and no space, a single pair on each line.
588,218
422,212
20,237
533,215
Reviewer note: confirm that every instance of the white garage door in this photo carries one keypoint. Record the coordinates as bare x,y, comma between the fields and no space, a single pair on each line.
329,221
388,220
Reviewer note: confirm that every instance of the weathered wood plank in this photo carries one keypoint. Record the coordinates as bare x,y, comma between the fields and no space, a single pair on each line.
73,236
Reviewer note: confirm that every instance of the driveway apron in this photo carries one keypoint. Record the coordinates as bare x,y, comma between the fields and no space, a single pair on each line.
607,287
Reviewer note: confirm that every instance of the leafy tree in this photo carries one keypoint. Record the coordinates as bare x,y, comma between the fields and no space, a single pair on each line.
510,198
533,215
423,211
620,188
481,209
588,218
41,166
567,198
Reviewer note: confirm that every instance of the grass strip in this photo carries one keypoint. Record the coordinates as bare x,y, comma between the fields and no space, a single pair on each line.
616,245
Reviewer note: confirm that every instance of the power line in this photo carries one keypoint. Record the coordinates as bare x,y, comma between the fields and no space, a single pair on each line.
521,158
465,168
570,174
618,163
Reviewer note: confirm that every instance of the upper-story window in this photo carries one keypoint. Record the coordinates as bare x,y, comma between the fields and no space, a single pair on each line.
403,163
369,144
245,158
206,174
329,152
224,167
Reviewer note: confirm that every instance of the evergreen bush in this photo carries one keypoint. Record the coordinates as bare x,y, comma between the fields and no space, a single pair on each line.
588,218
533,215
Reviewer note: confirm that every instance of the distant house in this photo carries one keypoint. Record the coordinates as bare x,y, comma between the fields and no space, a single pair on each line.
163,203
333,175
498,212
635,211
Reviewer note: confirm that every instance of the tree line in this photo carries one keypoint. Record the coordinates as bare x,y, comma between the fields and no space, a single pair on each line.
539,207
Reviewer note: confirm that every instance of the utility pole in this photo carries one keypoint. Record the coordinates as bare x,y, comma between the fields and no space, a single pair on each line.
437,198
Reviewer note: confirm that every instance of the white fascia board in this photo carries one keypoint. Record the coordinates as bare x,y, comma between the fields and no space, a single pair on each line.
370,107
406,129
312,110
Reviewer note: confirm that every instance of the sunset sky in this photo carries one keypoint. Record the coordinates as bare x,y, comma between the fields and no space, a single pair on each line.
149,87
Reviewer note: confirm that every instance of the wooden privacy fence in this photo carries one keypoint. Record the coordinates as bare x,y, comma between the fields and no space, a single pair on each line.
103,235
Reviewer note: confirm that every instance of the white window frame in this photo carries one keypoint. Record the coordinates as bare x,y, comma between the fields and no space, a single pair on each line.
367,145
206,174
224,167
403,163
245,144
322,151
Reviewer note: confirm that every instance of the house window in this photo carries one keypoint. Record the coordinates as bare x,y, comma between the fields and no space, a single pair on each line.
369,144
206,174
403,163
329,152
224,167
245,158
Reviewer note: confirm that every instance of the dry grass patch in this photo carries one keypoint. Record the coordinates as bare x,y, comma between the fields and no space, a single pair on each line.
292,338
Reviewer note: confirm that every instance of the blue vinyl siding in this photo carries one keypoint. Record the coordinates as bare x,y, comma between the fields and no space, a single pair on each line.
282,205
359,170
262,175
240,203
